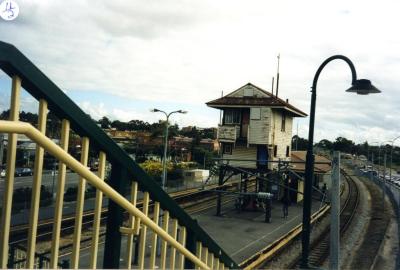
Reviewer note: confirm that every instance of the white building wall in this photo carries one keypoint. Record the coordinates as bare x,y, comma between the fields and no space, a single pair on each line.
281,138
242,152
259,129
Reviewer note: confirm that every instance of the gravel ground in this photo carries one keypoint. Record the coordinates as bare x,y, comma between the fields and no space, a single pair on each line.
390,248
353,237
371,232
293,252
364,256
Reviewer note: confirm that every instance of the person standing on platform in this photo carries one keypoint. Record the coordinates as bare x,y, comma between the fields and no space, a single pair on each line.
285,206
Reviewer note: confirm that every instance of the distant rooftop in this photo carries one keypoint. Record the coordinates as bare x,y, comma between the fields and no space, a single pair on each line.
300,156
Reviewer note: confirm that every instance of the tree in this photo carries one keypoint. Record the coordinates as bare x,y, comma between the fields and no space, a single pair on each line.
325,144
203,156
104,122
343,145
299,144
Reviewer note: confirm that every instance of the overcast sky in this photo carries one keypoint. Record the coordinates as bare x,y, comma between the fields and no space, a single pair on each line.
121,58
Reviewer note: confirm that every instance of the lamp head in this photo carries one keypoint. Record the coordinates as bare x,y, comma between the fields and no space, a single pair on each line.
363,87
154,110
182,111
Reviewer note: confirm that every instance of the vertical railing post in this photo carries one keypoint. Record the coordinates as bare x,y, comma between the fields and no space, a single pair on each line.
334,263
62,170
136,252
11,258
36,187
9,179
112,247
41,260
191,246
65,264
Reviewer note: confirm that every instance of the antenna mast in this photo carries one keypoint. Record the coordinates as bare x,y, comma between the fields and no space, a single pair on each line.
297,134
220,112
277,76
272,88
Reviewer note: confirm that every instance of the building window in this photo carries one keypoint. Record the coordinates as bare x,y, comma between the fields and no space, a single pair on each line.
275,150
227,147
232,116
287,150
255,113
283,124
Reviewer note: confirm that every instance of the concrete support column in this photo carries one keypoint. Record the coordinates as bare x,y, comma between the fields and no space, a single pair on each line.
334,255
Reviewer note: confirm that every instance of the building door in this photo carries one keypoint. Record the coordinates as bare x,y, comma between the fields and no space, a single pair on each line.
262,156
245,123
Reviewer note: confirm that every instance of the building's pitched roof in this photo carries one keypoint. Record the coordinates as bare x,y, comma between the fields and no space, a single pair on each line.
266,99
300,156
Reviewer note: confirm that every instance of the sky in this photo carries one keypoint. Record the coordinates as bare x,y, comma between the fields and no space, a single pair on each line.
121,58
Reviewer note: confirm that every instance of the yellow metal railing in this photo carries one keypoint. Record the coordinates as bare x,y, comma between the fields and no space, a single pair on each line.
15,127
170,245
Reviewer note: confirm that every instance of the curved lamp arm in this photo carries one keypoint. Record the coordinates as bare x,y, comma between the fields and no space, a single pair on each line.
314,94
334,57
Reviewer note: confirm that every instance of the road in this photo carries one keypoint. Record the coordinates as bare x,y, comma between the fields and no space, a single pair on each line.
47,179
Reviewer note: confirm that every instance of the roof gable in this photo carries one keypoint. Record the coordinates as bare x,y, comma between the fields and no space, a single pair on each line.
250,95
249,90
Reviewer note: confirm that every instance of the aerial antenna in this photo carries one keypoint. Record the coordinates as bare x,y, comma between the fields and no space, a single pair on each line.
277,76
297,134
272,88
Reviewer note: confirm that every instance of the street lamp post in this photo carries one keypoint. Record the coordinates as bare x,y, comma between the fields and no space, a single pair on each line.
391,157
1,151
379,156
361,87
164,163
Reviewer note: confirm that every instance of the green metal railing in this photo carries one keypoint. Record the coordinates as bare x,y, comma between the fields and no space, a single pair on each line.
124,171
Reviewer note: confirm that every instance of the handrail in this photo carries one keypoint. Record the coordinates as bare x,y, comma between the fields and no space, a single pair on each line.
14,63
93,179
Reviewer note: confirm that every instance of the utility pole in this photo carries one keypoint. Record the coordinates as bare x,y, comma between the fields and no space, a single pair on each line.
372,166
334,255
384,183
297,134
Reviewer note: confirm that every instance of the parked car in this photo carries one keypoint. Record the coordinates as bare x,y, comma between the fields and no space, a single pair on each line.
3,173
23,172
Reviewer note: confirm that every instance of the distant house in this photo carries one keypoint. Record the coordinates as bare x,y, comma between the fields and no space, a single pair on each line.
321,169
210,144
256,125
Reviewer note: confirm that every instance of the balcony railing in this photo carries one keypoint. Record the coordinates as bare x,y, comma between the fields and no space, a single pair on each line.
228,133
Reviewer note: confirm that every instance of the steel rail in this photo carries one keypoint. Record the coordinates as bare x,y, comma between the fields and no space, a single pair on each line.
18,231
275,248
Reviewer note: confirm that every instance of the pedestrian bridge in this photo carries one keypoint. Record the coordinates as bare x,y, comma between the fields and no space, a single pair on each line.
189,245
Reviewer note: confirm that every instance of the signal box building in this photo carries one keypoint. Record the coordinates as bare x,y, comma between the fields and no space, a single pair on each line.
256,125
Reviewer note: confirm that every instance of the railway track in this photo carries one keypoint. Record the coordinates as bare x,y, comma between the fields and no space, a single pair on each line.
320,247
319,251
193,208
18,234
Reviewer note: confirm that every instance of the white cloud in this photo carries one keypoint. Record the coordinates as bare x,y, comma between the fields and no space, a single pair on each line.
184,52
96,111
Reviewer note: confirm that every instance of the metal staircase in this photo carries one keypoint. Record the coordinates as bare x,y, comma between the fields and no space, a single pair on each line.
189,246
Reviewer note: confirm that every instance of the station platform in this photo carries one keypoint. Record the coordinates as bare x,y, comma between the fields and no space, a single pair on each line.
242,234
